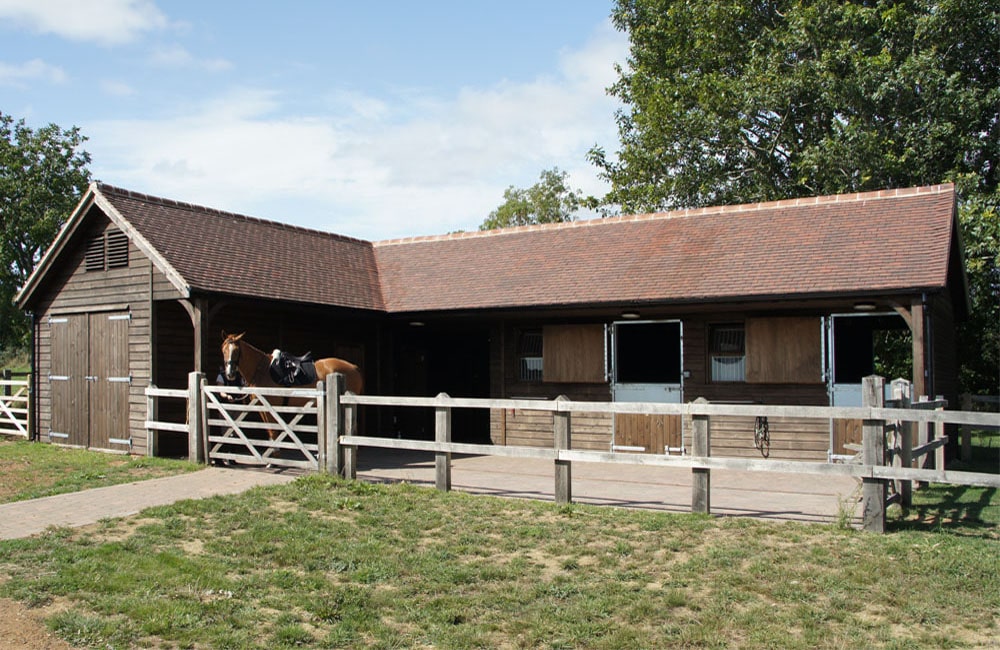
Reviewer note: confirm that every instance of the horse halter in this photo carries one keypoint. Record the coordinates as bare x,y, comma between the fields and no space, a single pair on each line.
232,365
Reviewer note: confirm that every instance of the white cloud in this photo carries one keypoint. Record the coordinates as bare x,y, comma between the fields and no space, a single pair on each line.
175,56
117,88
372,167
35,69
108,22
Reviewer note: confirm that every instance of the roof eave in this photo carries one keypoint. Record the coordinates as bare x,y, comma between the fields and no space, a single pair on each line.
175,278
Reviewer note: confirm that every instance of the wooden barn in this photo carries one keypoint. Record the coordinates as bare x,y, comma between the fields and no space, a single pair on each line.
790,302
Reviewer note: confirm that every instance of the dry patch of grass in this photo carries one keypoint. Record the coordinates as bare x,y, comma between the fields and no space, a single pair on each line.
325,563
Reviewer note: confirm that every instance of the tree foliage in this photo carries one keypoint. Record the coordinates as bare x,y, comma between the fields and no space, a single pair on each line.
738,101
43,172
549,200
979,336
735,101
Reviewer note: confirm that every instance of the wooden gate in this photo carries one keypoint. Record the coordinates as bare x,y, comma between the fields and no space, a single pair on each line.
89,380
241,422
14,404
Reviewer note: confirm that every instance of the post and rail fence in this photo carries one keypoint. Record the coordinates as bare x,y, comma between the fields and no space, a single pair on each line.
215,425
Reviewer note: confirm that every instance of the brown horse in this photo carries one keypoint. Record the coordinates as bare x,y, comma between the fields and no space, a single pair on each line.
243,358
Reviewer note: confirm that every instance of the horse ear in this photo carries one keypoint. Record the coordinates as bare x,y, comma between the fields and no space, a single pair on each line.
224,335
237,337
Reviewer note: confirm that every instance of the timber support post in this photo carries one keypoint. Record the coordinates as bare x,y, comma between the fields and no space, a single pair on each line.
442,433
873,490
563,440
350,452
195,418
904,432
701,446
335,387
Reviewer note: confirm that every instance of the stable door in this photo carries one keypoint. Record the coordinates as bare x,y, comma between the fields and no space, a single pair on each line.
89,381
646,367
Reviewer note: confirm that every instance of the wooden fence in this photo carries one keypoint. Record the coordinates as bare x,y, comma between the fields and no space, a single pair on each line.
338,442
14,408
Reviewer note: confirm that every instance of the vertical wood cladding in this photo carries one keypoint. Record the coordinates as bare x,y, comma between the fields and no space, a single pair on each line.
118,348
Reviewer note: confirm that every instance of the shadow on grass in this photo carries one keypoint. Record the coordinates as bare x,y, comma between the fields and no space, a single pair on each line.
959,509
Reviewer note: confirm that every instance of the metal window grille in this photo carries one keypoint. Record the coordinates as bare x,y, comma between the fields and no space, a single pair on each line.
728,353
529,353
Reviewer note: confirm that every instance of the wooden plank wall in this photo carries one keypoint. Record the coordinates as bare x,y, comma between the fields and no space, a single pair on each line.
70,289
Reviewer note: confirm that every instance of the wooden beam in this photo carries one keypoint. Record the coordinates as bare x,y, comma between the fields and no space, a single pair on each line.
564,468
442,433
919,348
701,482
197,311
873,491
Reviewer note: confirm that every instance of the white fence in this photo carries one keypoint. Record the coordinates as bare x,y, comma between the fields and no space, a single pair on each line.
14,409
337,443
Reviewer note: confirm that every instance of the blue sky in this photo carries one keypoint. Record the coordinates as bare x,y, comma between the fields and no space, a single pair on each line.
374,120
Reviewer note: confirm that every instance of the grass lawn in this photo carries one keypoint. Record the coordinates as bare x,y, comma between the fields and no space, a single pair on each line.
323,563
32,470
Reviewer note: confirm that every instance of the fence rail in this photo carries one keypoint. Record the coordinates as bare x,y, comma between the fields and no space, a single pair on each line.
14,408
338,443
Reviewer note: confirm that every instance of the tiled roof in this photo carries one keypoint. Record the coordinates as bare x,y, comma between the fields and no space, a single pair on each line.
220,252
894,241
878,242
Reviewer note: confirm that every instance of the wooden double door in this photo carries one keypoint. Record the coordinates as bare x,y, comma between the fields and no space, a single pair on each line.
89,380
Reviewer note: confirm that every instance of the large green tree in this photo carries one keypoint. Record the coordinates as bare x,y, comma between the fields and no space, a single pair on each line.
549,200
43,172
736,101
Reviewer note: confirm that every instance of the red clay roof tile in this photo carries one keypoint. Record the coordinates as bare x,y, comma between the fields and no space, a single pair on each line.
890,241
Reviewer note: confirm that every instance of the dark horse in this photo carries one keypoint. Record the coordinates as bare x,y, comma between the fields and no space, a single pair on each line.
240,357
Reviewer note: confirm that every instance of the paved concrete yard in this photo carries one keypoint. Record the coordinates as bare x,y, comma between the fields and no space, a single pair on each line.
795,497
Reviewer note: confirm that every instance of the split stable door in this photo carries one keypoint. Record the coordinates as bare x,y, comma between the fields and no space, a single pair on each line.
646,367
89,380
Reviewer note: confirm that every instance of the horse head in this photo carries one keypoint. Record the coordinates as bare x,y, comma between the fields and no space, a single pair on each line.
231,354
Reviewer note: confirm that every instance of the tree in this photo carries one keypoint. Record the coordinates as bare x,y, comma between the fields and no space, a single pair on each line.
547,201
738,101
42,175
979,336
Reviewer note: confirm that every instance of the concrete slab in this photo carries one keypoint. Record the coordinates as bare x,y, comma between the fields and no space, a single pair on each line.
792,497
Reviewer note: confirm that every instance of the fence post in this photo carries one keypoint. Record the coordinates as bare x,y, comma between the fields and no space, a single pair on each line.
196,424
873,490
322,428
965,403
442,433
901,391
563,440
701,446
335,386
939,432
6,377
350,452
152,437
30,405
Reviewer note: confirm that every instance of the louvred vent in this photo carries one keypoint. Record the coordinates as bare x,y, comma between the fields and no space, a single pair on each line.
107,251
117,249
